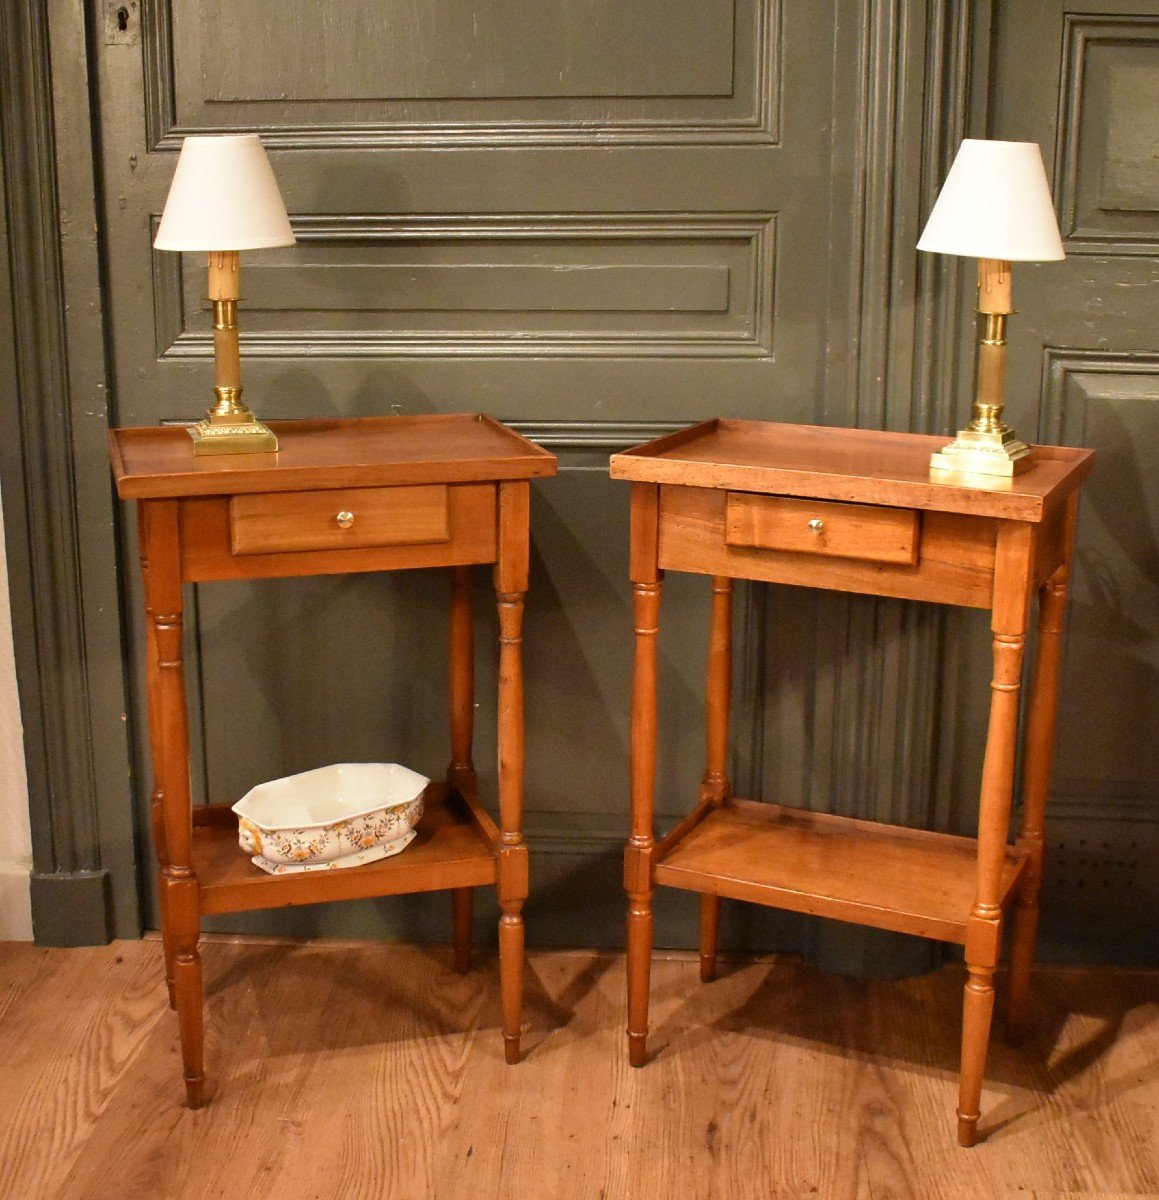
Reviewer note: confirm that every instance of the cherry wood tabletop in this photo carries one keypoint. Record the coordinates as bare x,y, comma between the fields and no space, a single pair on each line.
867,466
156,461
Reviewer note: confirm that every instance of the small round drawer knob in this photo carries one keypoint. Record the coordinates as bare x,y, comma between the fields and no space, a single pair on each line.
345,519
816,525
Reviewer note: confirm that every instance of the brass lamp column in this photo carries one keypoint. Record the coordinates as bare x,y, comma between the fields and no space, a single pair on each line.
224,199
229,426
994,206
987,446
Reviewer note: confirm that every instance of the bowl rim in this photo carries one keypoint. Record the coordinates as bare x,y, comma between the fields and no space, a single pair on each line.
238,807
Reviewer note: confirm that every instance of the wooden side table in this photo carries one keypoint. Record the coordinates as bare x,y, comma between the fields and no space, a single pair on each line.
376,494
854,511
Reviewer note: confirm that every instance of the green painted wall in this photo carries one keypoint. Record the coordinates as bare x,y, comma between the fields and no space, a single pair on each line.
597,242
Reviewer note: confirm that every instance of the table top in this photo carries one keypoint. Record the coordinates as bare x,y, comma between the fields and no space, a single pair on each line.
151,462
865,466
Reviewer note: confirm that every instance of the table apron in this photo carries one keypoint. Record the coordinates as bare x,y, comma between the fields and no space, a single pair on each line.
207,552
955,558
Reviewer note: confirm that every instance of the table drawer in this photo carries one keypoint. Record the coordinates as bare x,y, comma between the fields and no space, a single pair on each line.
338,519
825,527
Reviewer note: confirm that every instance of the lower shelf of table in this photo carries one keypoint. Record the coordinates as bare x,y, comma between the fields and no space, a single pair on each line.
454,847
907,880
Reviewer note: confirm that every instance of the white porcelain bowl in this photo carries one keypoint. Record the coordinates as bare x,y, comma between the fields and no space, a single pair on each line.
322,817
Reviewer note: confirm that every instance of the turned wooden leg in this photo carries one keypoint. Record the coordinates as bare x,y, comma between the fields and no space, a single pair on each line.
1039,755
984,926
977,1011
462,904
639,972
511,978
709,935
169,739
1024,935
513,871
641,842
158,822
157,806
181,904
511,571
461,660
715,787
166,937
461,771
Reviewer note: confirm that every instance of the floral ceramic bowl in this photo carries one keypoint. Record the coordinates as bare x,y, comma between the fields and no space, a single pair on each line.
340,815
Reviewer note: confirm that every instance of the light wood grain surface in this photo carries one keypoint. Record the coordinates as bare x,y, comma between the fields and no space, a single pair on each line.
354,1070
909,880
866,466
152,461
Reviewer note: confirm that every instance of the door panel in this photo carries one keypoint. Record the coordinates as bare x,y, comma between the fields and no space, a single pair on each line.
418,51
633,185
419,71
1084,370
422,285
574,216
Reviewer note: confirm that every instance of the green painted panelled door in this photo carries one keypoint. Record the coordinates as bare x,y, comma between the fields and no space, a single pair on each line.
595,221
599,221
1086,372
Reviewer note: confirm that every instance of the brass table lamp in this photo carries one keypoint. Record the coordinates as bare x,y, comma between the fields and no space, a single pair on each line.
994,206
224,199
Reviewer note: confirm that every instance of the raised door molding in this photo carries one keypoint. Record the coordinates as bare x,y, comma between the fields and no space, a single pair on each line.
630,284
1106,167
1102,827
604,79
1107,759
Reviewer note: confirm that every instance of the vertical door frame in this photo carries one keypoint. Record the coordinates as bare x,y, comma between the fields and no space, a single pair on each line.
60,518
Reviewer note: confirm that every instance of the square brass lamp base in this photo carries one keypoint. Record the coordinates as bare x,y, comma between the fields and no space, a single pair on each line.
975,453
234,437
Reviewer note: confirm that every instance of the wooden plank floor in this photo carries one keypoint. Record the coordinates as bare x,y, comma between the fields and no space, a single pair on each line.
354,1070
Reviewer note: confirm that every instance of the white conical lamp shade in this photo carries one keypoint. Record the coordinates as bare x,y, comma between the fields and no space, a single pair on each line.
995,203
223,197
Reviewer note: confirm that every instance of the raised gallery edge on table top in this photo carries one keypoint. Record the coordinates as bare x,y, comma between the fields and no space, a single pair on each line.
154,461
859,465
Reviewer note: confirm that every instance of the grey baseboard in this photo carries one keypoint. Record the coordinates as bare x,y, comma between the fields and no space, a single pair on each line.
71,908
